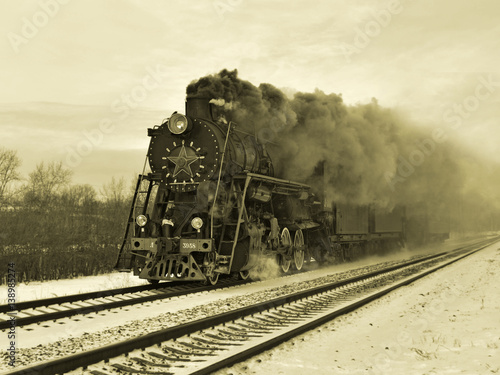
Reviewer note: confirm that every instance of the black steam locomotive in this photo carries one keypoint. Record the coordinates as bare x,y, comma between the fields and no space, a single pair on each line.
212,205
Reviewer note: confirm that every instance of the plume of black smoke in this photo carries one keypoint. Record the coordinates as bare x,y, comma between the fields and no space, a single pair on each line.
254,109
362,148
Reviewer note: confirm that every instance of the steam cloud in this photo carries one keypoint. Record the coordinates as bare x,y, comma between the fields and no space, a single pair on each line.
365,150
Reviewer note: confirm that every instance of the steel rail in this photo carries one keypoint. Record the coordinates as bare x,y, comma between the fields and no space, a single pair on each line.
163,293
80,297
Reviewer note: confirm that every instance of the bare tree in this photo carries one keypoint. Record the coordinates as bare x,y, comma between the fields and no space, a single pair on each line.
114,192
79,196
9,164
45,182
115,207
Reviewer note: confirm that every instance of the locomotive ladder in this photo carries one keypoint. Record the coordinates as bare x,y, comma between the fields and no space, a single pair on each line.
141,195
238,207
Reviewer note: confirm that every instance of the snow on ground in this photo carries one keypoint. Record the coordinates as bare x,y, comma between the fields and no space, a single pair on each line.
54,288
446,323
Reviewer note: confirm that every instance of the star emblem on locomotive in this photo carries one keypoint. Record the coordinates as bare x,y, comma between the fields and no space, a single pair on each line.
183,160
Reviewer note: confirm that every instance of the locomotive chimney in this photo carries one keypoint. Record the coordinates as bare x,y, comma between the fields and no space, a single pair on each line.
199,108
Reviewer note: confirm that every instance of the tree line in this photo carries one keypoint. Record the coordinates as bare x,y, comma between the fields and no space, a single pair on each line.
51,228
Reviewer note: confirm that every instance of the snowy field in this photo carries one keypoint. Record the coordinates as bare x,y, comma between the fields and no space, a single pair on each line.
55,288
446,323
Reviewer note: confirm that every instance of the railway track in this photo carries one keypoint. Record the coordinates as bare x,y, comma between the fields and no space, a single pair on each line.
48,309
206,345
54,308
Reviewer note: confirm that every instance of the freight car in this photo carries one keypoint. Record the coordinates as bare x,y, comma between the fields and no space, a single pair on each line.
423,226
211,205
352,230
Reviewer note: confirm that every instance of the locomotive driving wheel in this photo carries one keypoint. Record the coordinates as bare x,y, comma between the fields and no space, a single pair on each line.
286,241
298,249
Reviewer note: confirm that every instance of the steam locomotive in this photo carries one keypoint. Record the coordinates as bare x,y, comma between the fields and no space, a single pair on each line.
211,205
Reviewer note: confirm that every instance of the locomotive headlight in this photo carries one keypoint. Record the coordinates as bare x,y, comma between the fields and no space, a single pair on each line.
178,124
141,220
197,223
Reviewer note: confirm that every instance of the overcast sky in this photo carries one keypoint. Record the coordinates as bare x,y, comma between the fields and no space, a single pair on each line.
106,70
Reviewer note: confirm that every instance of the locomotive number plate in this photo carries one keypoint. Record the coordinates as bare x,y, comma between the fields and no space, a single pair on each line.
187,245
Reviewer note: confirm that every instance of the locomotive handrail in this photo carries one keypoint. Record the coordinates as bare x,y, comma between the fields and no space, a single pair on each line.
236,130
273,179
218,181
127,229
241,208
139,183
